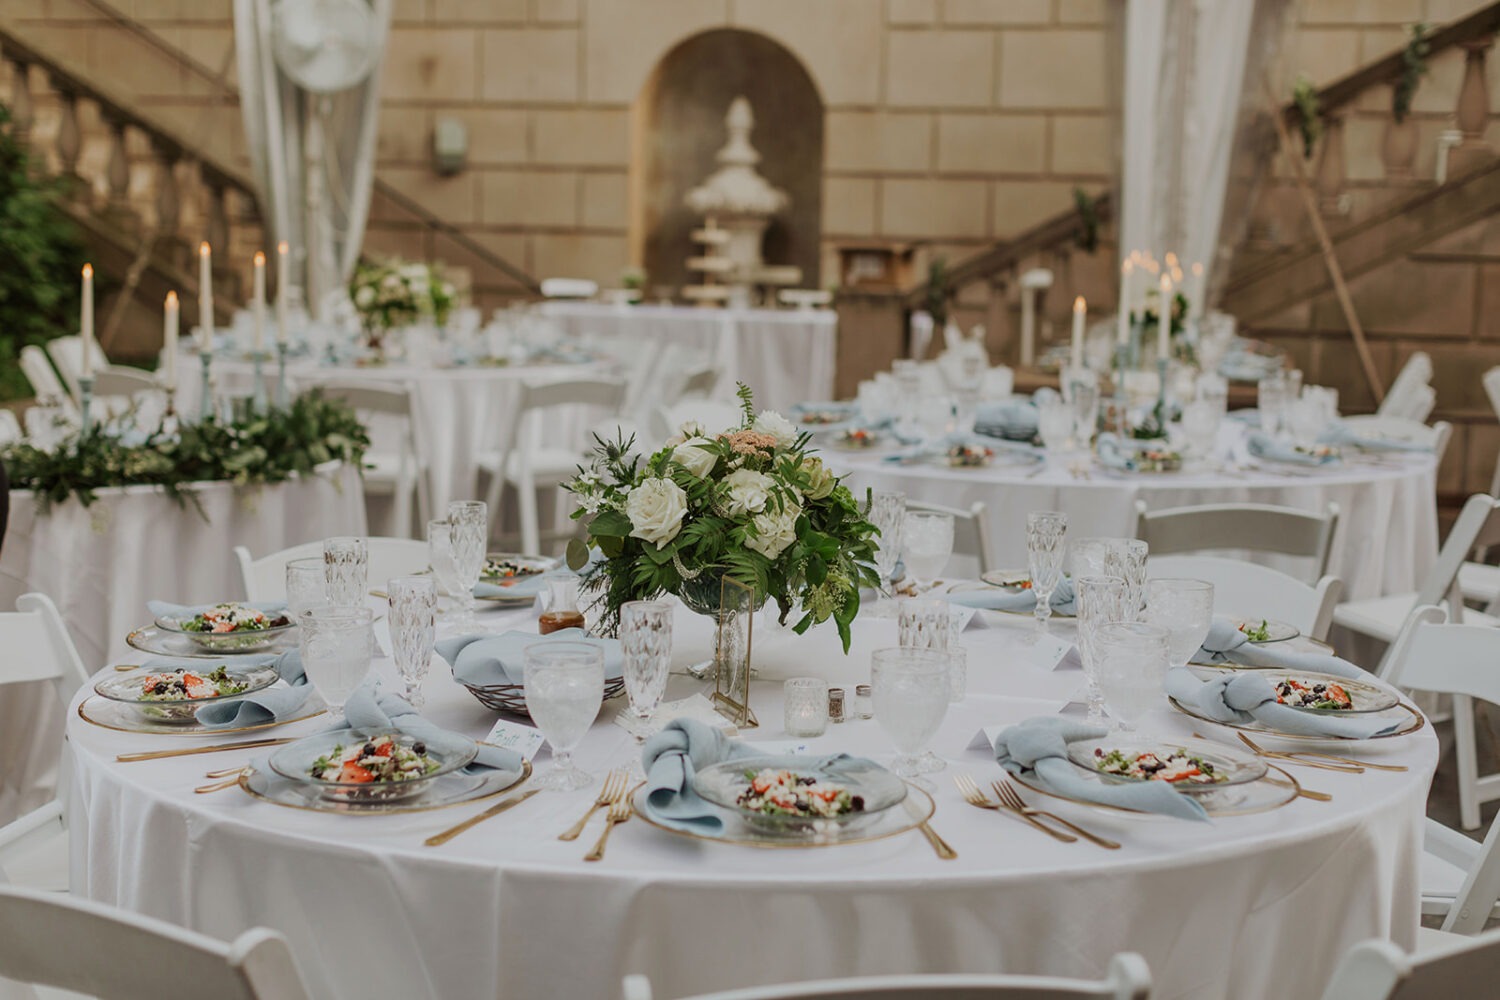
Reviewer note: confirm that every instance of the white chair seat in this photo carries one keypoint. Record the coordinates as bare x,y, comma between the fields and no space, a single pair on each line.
1479,582
1440,881
386,473
41,865
1382,617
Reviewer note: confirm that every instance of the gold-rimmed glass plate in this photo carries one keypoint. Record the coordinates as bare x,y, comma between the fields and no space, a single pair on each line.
445,792
1273,791
916,810
1276,631
1409,718
122,718
158,641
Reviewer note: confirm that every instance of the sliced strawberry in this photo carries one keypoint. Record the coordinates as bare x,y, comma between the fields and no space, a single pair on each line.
355,774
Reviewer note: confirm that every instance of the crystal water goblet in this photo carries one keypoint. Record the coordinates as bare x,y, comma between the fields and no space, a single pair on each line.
1185,608
888,514
564,684
306,584
1045,531
1132,669
346,565
470,522
412,621
926,545
646,645
1099,600
909,690
1270,401
1200,424
1123,558
440,562
336,643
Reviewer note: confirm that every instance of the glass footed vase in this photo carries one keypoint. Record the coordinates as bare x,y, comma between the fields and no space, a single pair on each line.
703,595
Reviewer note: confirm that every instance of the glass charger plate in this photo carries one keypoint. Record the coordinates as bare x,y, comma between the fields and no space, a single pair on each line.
122,718
158,641
541,565
1273,791
1414,721
450,790
1366,699
1234,766
917,810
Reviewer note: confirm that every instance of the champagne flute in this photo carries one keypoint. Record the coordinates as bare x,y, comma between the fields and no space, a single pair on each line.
470,525
1045,531
346,563
1099,600
646,643
413,606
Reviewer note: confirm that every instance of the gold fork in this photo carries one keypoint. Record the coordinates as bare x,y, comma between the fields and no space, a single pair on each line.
229,780
972,794
1010,797
609,793
1296,757
619,812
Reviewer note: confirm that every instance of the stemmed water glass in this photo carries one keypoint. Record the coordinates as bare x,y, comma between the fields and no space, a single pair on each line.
564,689
440,562
1132,658
346,565
470,525
1200,424
306,584
1270,401
888,514
1099,600
646,644
909,690
926,545
1185,608
1045,530
413,608
336,642
1055,425
1123,558
1085,404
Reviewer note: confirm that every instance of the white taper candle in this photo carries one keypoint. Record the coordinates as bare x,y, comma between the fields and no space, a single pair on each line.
86,325
258,302
169,342
205,298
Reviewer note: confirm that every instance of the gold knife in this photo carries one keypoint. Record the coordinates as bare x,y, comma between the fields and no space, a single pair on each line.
126,758
439,839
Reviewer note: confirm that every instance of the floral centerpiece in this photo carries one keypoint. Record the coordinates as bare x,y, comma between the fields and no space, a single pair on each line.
747,502
394,293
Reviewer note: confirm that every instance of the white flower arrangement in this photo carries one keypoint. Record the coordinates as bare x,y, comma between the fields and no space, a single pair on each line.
394,293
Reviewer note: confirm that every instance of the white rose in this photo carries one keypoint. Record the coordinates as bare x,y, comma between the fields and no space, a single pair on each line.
748,491
656,509
779,427
775,531
693,457
365,297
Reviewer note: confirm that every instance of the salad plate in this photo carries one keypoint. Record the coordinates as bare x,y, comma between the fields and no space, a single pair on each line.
512,578
362,767
791,796
1192,766
1321,694
1406,718
158,641
228,627
917,808
858,439
1267,630
453,789
1011,580
173,696
1272,791
124,718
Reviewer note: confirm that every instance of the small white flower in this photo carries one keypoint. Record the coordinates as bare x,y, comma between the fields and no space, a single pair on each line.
775,531
772,423
748,491
695,458
365,297
656,509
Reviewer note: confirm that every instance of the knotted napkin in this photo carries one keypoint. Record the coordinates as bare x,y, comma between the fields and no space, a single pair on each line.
272,704
1245,696
1227,644
1262,446
995,599
1039,747
485,659
1014,419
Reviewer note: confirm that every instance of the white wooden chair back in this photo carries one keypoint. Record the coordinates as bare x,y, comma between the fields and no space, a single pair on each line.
101,951
67,356
1379,970
1404,395
264,579
1251,527
44,381
1434,437
395,402
1477,526
1127,978
122,380
641,363
699,383
1246,589
38,648
971,532
1492,388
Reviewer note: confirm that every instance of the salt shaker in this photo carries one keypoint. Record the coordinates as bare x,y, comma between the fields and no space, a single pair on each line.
864,705
835,705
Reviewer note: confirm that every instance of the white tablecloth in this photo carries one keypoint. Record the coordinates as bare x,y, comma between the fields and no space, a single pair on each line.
785,356
1250,907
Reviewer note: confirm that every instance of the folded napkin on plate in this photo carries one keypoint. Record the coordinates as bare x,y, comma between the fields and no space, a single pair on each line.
1117,453
1227,644
1246,697
1014,419
525,586
273,704
1261,445
995,599
1040,746
1341,434
486,659
369,708
160,608
1249,416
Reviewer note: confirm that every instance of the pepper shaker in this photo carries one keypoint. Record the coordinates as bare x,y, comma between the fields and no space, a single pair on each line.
835,705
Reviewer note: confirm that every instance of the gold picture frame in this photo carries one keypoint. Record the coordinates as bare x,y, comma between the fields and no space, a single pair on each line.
732,653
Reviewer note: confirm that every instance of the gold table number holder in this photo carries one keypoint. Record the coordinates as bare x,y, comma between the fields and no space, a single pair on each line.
732,654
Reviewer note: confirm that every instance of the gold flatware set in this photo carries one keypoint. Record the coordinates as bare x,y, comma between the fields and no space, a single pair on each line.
1011,802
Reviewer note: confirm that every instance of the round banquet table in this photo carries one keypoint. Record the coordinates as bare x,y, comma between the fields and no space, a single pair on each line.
460,410
1222,909
1391,497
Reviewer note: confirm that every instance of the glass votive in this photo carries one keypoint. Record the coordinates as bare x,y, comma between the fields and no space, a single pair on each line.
806,706
958,673
924,623
864,702
835,704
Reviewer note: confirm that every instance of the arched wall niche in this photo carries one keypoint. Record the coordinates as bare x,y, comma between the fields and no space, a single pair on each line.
679,126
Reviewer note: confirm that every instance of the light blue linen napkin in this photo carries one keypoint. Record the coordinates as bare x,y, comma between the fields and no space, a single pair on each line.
1014,419
486,659
1114,453
1227,644
274,704
995,599
1341,434
370,708
1247,697
1261,445
1039,747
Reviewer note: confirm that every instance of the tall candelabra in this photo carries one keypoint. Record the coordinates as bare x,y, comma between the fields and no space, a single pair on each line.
281,400
85,401
258,388
206,400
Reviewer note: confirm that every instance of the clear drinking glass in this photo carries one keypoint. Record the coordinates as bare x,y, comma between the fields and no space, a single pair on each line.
909,688
806,711
346,565
1045,530
1185,608
1270,401
1200,424
1306,419
958,674
1213,389
306,584
564,689
470,521
888,514
923,623
1132,668
413,610
1055,424
440,562
1124,558
646,643
1099,600
1085,403
926,545
336,642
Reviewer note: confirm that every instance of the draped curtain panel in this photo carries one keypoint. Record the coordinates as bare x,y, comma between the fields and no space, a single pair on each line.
300,143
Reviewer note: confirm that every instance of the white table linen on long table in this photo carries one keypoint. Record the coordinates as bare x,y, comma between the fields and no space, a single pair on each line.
785,356
1228,909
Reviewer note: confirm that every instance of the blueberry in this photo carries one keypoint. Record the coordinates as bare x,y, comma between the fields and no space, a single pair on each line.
857,803
419,747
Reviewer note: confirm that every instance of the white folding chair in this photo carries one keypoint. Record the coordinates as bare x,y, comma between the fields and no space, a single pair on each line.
67,356
971,533
106,952
1478,525
525,463
713,414
399,474
264,579
1405,398
1379,970
697,383
1434,437
1251,527
44,381
34,847
1127,978
1246,590
1479,581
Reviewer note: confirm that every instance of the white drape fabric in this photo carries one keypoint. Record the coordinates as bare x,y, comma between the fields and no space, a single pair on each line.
290,132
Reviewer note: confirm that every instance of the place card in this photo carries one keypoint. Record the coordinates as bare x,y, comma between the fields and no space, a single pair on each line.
1048,651
694,706
524,740
1011,711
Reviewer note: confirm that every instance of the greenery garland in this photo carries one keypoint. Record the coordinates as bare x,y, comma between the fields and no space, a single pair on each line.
1413,68
1305,97
267,448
